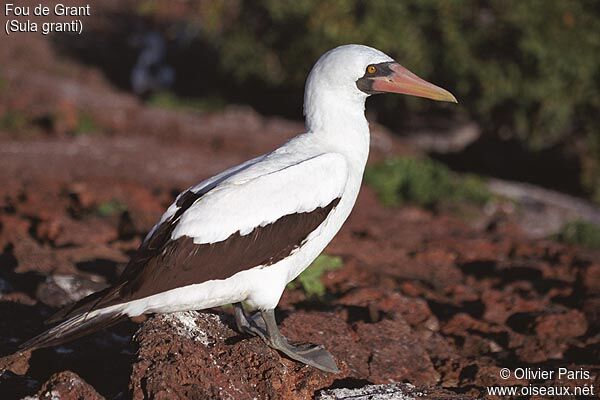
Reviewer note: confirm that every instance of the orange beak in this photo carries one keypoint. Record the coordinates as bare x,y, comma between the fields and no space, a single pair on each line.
403,81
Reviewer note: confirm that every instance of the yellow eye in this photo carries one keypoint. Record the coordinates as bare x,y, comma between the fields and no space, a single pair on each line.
371,69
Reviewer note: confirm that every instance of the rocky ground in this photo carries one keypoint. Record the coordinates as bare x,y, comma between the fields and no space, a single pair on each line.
427,298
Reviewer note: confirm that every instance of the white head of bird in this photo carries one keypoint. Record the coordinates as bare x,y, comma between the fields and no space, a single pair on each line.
343,78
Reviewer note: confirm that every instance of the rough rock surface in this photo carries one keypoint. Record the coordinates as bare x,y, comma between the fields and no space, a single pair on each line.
66,385
424,297
198,355
394,391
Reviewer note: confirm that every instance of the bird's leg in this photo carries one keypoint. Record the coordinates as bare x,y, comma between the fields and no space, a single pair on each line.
250,325
309,354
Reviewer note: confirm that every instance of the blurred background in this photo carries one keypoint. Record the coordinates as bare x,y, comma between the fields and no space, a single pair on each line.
99,132
526,73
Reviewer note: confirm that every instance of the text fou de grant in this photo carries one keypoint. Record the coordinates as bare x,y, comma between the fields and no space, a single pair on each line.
10,9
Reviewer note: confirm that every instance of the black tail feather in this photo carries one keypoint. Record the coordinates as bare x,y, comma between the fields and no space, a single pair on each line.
84,305
73,328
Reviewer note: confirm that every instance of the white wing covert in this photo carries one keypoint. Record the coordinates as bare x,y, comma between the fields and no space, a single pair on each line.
242,203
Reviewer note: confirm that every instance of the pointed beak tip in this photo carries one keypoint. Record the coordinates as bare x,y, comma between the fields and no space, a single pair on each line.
448,97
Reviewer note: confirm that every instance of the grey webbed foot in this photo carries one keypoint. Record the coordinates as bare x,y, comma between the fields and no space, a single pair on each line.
251,325
309,354
263,325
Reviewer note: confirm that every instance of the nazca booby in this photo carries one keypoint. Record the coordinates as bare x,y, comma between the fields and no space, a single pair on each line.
244,234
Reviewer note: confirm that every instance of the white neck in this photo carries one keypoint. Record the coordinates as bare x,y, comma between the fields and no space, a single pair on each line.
338,120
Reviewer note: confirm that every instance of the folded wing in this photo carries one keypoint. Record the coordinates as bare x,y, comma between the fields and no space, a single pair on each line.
244,221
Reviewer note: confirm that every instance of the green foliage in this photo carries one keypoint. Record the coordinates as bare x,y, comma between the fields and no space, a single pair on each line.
19,122
529,66
13,121
581,233
146,7
310,278
85,125
170,101
424,182
3,84
110,208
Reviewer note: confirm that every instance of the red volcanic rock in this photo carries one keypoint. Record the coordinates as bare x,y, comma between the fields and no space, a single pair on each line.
532,350
198,356
478,336
67,385
15,363
499,305
591,309
13,228
81,197
66,231
143,206
332,331
41,202
415,311
570,324
591,278
397,354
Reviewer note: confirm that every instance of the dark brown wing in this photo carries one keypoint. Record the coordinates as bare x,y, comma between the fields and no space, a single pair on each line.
148,250
181,262
163,264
